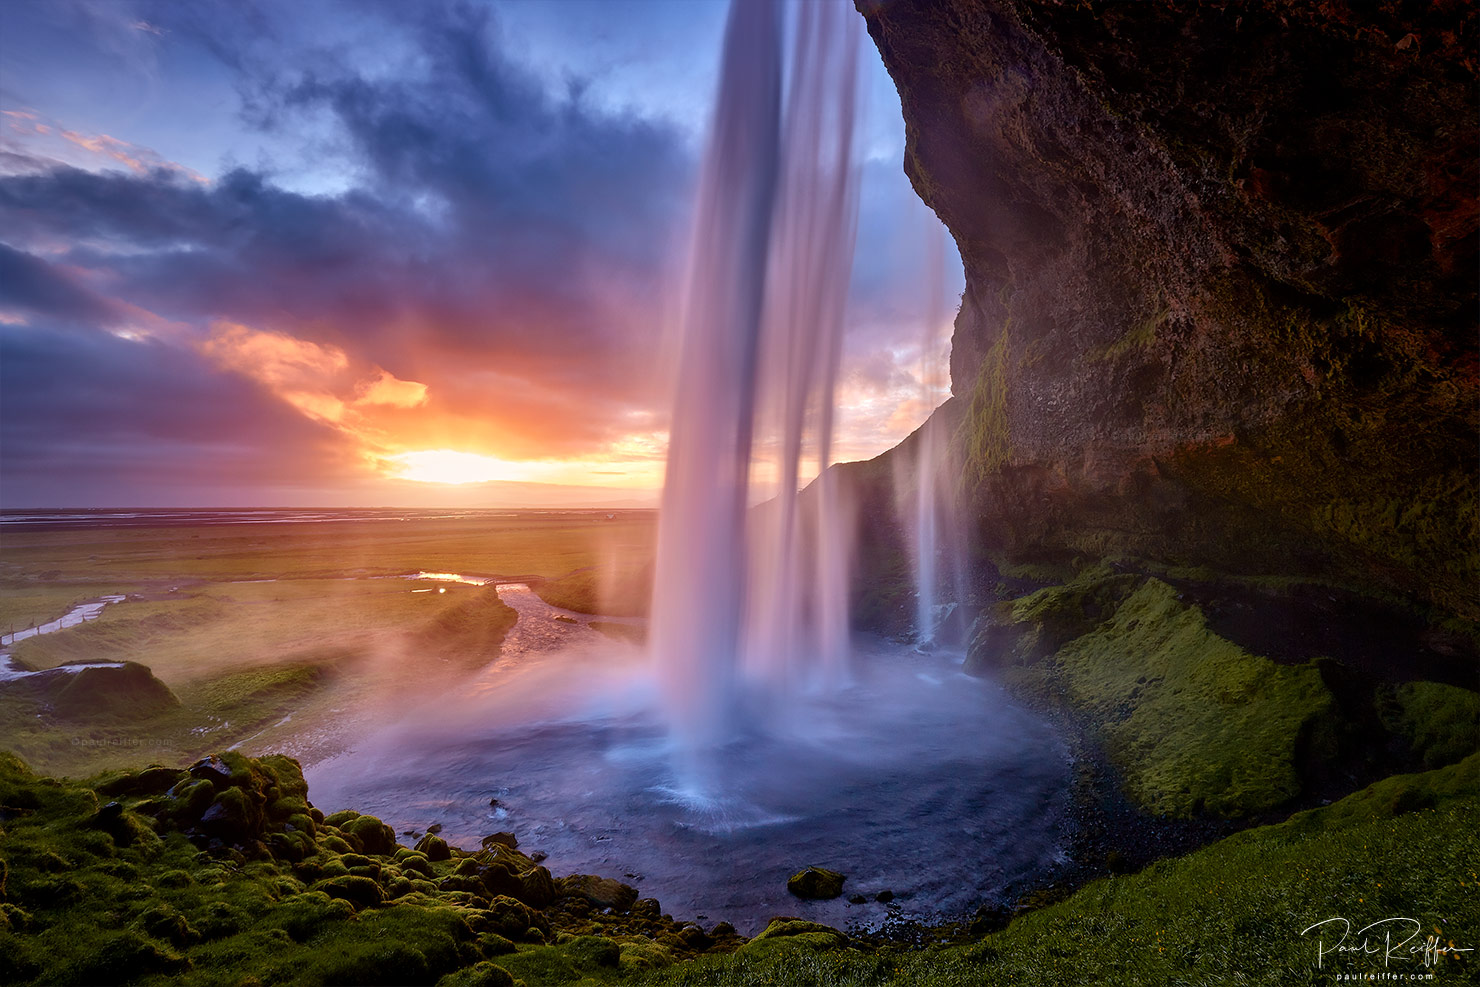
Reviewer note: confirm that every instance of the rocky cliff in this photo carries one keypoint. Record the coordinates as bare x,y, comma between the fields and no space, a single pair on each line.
1221,267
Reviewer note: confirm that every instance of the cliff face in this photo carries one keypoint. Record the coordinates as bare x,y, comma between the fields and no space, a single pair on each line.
1221,266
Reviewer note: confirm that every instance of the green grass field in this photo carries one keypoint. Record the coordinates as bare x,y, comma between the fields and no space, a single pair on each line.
283,636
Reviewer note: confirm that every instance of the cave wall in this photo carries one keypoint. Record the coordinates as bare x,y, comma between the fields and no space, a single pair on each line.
1221,270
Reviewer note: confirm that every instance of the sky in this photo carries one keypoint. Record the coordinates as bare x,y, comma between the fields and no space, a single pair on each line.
385,253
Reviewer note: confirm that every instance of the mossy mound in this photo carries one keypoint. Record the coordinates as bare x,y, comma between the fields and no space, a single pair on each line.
126,691
225,873
1193,723
816,883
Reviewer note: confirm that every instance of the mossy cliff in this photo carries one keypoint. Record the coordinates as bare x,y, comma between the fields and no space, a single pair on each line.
1220,278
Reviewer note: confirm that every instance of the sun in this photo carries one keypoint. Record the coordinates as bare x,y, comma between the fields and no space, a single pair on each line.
450,466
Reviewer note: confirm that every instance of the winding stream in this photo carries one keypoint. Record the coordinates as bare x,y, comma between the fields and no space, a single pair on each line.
83,612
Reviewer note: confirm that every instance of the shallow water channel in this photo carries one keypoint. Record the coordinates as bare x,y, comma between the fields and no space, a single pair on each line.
916,780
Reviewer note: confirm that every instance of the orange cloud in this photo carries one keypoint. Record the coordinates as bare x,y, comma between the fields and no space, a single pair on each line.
387,390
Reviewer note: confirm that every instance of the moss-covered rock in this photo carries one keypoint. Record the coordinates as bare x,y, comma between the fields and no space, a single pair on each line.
482,974
795,930
128,691
816,883
1194,723
600,892
374,836
433,847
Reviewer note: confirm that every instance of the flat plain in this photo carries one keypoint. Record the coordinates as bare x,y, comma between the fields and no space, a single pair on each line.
286,635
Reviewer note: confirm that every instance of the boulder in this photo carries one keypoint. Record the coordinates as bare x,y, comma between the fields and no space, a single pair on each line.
601,892
816,883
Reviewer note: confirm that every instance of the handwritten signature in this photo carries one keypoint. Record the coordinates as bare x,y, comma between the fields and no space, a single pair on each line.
1377,939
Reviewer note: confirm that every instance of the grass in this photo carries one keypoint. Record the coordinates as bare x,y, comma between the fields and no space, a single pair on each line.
1440,722
25,604
612,590
521,544
1193,723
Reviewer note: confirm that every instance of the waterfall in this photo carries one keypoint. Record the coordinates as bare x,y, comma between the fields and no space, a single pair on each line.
925,546
751,599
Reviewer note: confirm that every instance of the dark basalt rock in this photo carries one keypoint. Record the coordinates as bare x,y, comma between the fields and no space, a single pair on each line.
501,839
1220,281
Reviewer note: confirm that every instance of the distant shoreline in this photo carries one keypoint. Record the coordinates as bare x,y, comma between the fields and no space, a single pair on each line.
60,519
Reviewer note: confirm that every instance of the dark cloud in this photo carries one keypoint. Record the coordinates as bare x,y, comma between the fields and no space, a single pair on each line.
30,286
88,418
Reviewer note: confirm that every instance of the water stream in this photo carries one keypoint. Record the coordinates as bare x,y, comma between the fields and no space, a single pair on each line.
81,613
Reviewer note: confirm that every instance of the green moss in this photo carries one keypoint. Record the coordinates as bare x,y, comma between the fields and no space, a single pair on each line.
1136,338
797,931
1440,722
985,433
484,974
1194,722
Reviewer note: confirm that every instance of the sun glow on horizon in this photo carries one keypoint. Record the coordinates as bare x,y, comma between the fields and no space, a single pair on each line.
455,468
450,466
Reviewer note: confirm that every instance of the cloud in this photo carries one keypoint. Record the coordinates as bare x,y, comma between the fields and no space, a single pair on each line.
89,418
497,272
491,275
387,390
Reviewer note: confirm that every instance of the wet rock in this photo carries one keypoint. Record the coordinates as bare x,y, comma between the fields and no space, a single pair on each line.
601,892
647,908
884,897
434,847
856,899
816,883
212,769
501,839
